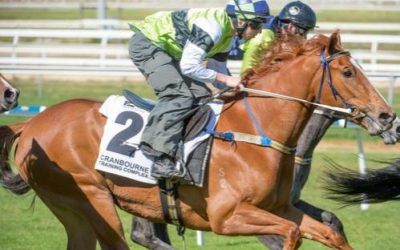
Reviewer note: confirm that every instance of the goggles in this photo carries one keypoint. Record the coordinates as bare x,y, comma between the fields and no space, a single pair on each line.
255,24
293,28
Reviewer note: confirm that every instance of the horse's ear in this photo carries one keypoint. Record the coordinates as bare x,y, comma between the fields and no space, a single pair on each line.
334,43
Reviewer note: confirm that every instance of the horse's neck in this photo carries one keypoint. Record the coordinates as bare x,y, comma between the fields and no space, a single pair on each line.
279,119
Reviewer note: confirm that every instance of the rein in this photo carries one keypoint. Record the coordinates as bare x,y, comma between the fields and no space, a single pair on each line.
290,98
325,68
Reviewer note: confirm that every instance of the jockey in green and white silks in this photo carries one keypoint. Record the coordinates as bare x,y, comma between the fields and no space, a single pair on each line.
190,36
171,50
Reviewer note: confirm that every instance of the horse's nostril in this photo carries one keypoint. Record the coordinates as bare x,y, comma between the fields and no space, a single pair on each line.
386,117
9,93
398,130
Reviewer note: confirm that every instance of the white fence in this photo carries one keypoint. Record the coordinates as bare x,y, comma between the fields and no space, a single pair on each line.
106,52
118,24
387,5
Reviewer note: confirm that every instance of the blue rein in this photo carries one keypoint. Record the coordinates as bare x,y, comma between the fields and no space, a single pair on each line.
264,139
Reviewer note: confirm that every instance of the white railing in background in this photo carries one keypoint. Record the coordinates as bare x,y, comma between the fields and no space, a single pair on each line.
386,5
106,51
118,24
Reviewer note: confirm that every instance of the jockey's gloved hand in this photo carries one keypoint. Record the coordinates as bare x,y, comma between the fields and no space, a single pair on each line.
234,82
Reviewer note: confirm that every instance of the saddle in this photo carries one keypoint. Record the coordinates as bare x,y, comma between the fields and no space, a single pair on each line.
197,161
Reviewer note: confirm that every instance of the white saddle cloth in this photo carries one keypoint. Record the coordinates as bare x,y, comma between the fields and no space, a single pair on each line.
119,151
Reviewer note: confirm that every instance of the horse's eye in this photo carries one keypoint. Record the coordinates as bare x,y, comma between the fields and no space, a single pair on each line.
347,73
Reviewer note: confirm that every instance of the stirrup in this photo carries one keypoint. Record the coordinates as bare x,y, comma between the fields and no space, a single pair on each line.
178,172
177,175
181,169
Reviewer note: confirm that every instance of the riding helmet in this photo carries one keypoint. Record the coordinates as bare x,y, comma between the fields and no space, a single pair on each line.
299,14
248,9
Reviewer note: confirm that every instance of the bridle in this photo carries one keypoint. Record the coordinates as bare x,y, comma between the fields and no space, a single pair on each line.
327,70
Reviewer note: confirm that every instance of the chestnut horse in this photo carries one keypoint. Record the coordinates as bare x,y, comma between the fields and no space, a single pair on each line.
8,95
247,191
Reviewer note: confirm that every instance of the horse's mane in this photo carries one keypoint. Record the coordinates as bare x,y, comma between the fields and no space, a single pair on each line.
283,48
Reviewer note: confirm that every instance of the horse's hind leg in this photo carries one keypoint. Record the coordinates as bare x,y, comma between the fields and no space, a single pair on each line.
99,210
79,232
89,210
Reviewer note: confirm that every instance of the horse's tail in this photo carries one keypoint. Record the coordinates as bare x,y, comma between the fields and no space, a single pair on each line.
8,179
378,185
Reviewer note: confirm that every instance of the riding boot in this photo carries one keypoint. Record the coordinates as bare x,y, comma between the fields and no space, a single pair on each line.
164,165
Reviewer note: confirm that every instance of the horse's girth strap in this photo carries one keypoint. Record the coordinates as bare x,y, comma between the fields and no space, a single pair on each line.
258,140
254,139
303,161
170,204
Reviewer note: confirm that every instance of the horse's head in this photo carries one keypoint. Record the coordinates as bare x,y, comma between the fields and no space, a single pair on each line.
320,70
340,81
8,95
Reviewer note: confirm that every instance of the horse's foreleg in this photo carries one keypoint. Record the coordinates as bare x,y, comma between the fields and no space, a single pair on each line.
249,220
314,230
275,242
317,231
300,177
326,217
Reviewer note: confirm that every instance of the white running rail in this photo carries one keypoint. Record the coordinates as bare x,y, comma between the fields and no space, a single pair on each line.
106,51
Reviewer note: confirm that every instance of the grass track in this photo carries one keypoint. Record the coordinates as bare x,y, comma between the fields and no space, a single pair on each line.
375,228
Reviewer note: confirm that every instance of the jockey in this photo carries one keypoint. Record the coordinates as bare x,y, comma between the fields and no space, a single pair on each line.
170,49
295,17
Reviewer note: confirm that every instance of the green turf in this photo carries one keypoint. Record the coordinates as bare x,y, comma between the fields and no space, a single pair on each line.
22,226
